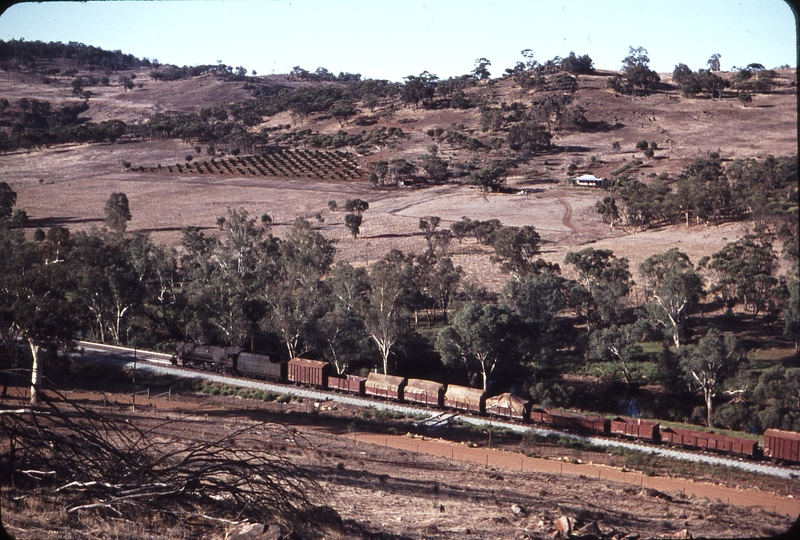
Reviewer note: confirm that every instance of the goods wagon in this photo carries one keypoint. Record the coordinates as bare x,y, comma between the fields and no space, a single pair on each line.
348,383
509,406
782,445
425,392
595,424
555,418
636,428
710,441
311,372
260,366
385,386
575,422
464,398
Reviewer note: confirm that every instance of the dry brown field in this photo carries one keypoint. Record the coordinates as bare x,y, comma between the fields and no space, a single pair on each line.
69,184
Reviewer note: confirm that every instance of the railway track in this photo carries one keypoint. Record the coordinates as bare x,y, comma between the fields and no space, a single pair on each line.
160,363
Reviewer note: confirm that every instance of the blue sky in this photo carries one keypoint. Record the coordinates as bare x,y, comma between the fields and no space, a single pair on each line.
392,39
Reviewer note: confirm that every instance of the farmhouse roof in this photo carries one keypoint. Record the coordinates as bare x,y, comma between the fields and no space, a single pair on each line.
587,177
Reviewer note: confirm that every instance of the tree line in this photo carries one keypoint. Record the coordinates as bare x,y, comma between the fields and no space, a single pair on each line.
709,192
414,315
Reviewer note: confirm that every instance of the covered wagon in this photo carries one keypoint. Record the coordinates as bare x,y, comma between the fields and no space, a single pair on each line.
509,406
425,392
465,399
385,386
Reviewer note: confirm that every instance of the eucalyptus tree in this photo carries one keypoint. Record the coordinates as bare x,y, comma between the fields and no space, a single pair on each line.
744,272
111,274
715,359
385,309
673,290
297,296
37,301
605,282
618,345
226,277
517,250
341,328
117,212
479,338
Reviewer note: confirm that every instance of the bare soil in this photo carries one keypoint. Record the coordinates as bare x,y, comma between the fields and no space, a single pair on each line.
440,486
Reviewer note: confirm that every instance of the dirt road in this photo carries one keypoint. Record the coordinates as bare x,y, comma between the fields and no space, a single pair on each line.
496,458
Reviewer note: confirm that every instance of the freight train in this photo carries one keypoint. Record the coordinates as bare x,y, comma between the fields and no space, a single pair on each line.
780,446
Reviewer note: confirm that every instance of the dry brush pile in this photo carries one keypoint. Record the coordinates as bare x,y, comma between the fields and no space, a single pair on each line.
109,465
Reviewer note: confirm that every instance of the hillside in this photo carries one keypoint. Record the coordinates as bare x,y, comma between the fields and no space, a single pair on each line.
69,183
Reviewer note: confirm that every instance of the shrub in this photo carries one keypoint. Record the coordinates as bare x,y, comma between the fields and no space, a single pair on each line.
649,153
615,145
641,145
284,398
189,157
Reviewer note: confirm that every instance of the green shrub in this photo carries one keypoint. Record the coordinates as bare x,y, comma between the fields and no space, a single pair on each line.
284,398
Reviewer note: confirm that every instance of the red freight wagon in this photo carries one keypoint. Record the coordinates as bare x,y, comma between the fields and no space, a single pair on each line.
385,386
595,424
563,420
635,427
349,383
465,398
784,445
426,392
307,371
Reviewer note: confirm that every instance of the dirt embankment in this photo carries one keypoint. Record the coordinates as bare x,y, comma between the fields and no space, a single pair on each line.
418,487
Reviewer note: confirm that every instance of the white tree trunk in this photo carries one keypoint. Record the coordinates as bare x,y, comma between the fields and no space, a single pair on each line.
36,375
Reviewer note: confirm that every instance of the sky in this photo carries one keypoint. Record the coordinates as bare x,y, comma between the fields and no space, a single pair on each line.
384,39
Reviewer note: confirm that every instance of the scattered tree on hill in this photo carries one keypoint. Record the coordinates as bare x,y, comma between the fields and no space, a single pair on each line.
713,62
481,72
434,166
343,111
577,64
353,223
608,209
744,272
488,179
516,249
745,98
356,206
117,212
636,70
